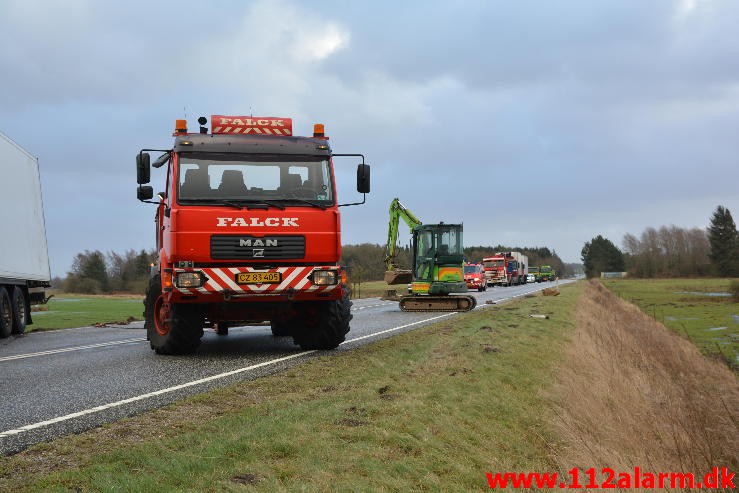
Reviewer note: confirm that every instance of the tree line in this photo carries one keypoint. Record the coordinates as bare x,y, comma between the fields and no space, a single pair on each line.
366,262
670,251
95,272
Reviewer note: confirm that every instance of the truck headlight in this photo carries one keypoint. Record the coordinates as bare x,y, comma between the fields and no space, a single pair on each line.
325,277
189,279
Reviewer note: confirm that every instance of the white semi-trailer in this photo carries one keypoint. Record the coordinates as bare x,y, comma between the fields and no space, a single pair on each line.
24,259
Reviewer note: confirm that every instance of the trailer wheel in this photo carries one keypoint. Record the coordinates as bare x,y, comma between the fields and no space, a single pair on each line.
19,311
6,314
327,327
171,328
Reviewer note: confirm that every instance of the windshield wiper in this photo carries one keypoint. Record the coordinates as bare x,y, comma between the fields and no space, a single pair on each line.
309,202
231,204
252,204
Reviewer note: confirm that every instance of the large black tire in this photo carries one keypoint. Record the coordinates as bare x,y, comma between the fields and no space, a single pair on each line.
20,311
329,328
6,314
176,329
281,328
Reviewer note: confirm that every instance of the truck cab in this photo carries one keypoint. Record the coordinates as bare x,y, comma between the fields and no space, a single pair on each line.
248,230
474,276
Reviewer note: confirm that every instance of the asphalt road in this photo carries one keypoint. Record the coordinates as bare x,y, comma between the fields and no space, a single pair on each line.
67,381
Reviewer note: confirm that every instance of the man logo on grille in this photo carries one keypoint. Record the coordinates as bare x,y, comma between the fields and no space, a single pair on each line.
257,252
257,242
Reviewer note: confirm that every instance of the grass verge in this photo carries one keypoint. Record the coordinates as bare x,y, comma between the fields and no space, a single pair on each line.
701,310
374,289
433,409
68,310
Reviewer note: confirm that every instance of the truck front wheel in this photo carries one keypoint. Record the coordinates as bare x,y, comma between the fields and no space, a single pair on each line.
172,328
325,326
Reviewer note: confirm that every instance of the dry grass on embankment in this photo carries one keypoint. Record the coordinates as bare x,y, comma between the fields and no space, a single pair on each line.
632,393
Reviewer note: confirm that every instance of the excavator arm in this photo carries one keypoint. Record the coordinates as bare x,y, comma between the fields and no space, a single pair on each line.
398,211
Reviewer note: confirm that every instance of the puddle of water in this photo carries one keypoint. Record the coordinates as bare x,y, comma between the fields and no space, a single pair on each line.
47,312
700,293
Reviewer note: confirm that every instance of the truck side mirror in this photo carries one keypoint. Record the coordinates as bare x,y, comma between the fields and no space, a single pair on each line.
145,193
143,168
363,178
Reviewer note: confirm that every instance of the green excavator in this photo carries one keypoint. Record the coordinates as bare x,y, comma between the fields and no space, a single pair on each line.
437,267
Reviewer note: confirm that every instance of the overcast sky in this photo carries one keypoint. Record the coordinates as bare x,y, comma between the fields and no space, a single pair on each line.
536,123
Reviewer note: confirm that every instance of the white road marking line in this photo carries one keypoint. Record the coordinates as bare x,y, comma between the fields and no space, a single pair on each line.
141,397
399,327
167,390
70,349
373,306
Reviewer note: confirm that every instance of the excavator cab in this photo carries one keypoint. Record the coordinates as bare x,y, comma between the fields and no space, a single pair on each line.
438,256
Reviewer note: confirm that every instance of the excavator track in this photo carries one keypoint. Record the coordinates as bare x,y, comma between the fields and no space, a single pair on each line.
424,303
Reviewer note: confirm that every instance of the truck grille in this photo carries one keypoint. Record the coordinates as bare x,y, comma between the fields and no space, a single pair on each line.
245,247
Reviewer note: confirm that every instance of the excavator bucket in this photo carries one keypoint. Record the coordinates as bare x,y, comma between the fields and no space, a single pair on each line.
398,276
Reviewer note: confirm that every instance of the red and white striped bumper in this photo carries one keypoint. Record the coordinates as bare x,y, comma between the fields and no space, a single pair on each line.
295,284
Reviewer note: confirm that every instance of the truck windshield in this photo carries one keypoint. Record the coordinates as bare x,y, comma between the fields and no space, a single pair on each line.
493,263
471,269
232,177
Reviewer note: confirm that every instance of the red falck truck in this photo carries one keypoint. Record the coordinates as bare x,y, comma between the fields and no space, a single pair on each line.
248,230
505,269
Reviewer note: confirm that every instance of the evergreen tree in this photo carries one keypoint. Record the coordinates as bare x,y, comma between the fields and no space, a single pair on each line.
724,241
89,273
600,255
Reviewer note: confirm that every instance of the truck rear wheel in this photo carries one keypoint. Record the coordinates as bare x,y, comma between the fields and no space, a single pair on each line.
6,314
19,311
325,328
172,328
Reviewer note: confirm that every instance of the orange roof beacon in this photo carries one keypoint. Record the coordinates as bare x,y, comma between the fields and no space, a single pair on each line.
248,230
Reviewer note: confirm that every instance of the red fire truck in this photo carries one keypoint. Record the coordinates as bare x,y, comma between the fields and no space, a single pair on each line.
247,230
505,269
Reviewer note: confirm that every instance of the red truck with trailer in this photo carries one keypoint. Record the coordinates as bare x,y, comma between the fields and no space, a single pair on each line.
248,230
505,269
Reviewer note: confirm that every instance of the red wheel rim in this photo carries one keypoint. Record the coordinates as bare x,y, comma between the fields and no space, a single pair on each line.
161,316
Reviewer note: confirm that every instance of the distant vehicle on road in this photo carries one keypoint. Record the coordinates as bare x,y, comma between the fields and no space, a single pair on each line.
474,276
547,273
530,278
